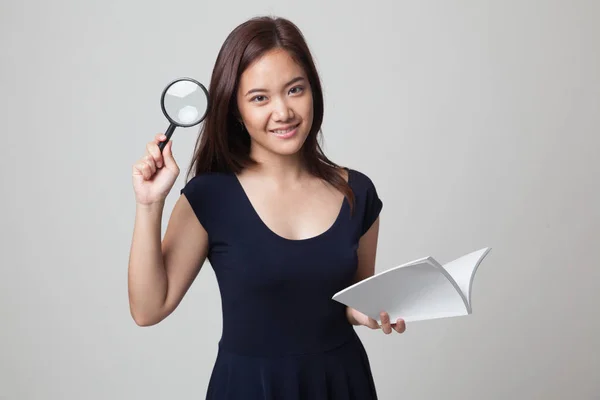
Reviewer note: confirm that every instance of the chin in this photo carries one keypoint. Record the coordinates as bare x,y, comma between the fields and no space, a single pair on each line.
290,151
287,148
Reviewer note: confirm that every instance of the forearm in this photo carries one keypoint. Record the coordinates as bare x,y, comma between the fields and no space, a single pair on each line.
147,278
350,317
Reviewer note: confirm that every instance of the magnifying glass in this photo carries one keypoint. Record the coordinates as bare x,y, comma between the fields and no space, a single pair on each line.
185,103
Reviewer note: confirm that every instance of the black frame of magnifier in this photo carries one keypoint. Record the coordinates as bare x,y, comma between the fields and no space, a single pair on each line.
162,102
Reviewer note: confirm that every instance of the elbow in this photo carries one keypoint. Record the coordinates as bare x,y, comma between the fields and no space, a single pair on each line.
144,322
145,319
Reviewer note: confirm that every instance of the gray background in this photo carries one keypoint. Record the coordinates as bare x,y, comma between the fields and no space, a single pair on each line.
478,121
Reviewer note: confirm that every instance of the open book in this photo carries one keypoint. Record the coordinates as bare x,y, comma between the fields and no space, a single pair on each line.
419,290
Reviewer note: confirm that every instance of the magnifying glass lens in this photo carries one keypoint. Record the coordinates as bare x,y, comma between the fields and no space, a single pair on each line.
185,102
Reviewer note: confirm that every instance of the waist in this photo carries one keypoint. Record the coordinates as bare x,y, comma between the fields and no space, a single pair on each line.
284,336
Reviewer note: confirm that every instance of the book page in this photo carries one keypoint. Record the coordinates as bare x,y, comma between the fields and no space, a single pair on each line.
416,291
463,270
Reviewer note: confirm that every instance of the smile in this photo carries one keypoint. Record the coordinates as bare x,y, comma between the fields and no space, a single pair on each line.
285,133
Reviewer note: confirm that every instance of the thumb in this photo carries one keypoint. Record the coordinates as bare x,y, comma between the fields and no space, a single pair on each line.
168,155
372,323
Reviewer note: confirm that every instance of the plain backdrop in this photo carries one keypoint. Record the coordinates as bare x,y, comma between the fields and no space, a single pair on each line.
478,121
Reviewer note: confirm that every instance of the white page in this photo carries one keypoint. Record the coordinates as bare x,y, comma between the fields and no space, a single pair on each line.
463,270
417,291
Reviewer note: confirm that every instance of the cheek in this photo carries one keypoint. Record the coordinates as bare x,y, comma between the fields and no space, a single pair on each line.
307,105
308,111
256,118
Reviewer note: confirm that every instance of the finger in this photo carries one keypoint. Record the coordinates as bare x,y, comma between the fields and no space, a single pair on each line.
168,157
154,151
159,137
147,172
149,160
385,323
144,170
400,326
138,169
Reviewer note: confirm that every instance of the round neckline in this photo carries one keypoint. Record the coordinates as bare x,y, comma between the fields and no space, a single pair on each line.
257,217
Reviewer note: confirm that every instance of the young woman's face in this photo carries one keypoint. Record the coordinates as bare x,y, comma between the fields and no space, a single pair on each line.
275,103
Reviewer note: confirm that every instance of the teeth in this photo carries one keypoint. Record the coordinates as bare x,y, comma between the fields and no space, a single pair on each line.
280,132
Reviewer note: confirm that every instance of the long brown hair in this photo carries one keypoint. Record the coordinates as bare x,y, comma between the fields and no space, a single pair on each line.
223,145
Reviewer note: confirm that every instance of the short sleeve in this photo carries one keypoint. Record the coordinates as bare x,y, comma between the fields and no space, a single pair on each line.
197,191
372,203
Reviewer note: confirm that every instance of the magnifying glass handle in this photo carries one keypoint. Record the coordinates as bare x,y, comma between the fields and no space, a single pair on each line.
168,134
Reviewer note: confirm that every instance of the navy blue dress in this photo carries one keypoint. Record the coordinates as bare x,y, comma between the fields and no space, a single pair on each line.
283,337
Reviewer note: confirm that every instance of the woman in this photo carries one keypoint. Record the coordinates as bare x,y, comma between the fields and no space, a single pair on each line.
283,227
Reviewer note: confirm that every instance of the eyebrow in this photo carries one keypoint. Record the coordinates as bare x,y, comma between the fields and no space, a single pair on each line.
296,79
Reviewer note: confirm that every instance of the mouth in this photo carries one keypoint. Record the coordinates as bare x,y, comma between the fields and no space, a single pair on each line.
285,132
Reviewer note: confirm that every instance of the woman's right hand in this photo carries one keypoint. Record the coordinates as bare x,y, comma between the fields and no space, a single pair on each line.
155,173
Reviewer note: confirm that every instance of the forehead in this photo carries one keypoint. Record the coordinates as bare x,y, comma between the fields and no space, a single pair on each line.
273,69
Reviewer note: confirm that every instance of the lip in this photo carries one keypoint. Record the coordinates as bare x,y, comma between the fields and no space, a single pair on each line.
288,134
283,128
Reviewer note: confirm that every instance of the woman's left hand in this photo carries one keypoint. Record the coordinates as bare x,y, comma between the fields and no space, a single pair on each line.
357,318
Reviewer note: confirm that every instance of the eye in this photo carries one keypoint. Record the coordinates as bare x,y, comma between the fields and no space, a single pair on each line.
298,89
255,98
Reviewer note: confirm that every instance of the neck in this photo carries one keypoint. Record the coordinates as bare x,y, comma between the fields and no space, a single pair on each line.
279,169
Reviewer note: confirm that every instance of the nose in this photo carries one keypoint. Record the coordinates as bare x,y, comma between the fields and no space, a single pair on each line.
282,111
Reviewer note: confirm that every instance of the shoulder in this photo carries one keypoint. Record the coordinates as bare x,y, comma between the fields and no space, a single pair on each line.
206,181
209,187
360,181
368,203
207,194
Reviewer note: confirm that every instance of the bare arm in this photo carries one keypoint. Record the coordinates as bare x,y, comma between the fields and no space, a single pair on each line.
160,274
